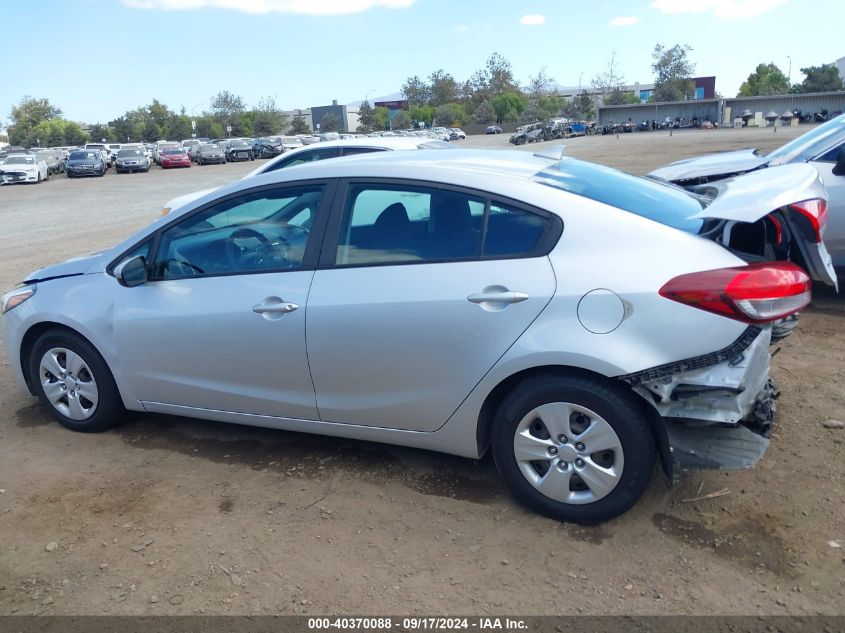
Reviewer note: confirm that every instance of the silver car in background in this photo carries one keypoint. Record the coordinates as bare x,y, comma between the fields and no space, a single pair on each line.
823,147
577,322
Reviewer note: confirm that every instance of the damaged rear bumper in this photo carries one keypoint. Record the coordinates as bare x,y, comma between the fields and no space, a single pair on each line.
718,409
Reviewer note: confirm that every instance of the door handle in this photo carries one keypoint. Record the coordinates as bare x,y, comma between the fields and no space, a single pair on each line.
507,296
274,308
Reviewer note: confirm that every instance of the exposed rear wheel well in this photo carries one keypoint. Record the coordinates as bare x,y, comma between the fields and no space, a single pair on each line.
32,335
498,394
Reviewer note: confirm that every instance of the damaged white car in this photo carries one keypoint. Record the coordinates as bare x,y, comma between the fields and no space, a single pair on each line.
575,321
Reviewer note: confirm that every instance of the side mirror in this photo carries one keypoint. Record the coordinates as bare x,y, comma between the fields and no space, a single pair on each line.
839,167
131,272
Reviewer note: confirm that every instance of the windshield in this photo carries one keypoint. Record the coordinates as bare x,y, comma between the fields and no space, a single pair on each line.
173,151
661,202
208,148
129,153
238,144
82,156
809,145
20,160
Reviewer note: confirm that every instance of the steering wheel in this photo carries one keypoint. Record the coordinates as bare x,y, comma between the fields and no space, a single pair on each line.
236,254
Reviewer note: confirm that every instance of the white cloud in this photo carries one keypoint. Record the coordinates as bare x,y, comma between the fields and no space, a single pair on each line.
312,7
625,20
461,28
532,19
722,9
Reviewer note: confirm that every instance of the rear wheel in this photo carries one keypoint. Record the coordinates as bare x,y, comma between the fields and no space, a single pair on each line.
74,383
573,448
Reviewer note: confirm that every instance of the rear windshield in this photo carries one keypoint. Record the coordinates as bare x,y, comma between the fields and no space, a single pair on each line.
661,202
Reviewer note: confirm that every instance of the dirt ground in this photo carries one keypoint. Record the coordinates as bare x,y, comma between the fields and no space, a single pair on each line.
166,515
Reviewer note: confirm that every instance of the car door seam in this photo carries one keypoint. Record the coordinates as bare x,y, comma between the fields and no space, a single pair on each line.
519,336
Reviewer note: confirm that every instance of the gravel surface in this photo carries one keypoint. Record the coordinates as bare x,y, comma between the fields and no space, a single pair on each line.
167,515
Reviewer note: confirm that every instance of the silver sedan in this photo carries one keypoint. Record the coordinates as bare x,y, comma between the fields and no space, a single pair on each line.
575,321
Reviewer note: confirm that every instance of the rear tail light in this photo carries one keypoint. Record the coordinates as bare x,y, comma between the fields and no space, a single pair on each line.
757,293
816,212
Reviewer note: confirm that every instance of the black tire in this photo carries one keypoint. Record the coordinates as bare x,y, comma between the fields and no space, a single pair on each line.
619,409
109,408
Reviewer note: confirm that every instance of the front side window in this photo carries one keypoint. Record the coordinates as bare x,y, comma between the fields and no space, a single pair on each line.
255,232
408,224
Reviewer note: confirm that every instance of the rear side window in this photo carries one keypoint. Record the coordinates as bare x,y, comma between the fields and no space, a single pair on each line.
352,151
512,232
385,224
661,202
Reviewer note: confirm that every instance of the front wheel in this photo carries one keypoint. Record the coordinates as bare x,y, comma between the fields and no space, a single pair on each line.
573,448
74,383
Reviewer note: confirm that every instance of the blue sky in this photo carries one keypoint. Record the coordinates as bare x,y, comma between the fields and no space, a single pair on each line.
308,52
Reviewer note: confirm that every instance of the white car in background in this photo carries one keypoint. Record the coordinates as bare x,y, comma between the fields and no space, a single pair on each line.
320,151
23,168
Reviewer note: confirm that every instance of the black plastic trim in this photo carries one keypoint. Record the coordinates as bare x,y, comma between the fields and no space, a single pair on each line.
697,362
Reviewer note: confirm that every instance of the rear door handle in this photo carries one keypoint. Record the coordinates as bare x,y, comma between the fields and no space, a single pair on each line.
274,308
507,296
283,308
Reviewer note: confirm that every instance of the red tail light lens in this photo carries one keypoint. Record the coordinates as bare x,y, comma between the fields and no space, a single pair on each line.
816,212
757,293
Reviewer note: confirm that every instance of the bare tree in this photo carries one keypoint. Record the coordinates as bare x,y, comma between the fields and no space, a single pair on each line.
610,84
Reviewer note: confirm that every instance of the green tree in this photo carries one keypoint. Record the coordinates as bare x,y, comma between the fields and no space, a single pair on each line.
101,132
767,79
584,106
27,115
178,127
401,120
299,125
329,123
268,119
450,115
672,73
820,79
74,134
417,91
381,118
226,104
424,113
549,106
509,105
485,113
365,117
159,114
443,88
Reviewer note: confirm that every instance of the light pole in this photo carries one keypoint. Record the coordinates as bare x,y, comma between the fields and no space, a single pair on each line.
193,118
789,74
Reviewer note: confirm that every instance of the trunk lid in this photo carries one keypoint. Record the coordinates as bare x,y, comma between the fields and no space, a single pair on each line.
768,194
735,162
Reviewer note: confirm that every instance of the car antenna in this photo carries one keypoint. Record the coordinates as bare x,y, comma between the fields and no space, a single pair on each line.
555,152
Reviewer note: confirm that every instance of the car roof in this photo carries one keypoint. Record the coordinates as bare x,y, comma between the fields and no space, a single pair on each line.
470,167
